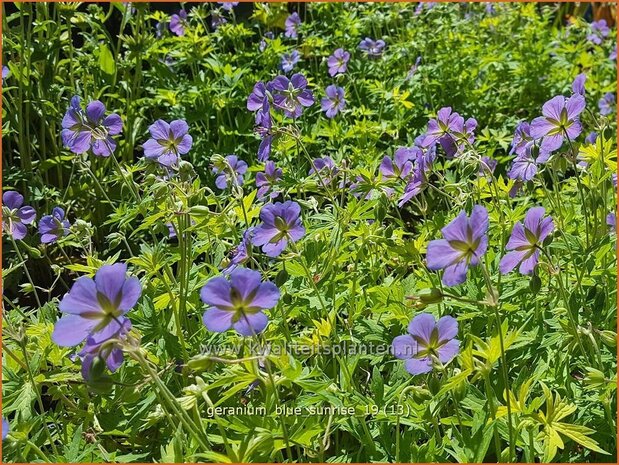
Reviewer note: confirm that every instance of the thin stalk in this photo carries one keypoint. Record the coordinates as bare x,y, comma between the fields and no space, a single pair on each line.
497,315
24,350
564,297
106,197
580,188
23,262
171,400
490,394
38,451
281,417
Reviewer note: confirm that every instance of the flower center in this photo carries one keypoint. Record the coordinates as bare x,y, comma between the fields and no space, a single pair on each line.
241,306
99,133
467,248
280,224
428,348
170,144
109,308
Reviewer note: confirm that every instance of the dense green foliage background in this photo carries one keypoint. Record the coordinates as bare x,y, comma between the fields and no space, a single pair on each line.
365,255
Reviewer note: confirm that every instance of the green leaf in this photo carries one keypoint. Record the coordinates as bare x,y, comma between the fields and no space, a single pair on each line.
454,382
23,404
579,434
106,60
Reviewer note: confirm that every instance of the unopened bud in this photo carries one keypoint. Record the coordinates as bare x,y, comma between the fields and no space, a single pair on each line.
434,297
609,338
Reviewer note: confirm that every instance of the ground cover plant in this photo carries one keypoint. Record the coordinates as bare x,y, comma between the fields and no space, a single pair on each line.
308,233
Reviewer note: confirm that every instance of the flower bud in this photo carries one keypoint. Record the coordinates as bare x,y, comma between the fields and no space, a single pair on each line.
186,171
434,297
609,338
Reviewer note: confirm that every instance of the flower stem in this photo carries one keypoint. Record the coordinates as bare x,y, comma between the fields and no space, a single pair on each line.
580,187
497,315
35,386
23,263
106,197
563,292
490,394
267,365
128,183
38,451
177,410
310,278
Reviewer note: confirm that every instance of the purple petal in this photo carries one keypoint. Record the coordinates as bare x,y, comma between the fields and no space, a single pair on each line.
245,281
552,109
306,98
387,168
103,148
70,330
404,347
95,111
540,126
267,296
299,81
18,231
255,101
82,298
280,83
574,130
121,325
81,143
441,254
447,328
574,106
274,249
265,149
27,214
263,234
160,130
511,260
291,211
110,280
185,144
479,252
421,328
518,238
12,200
578,86
250,324
551,143
528,264
418,366
455,274
221,182
115,360
296,232
153,149
533,219
179,128
547,227
114,124
448,351
479,221
457,230
168,159
216,292
86,366
48,238
217,320
131,292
